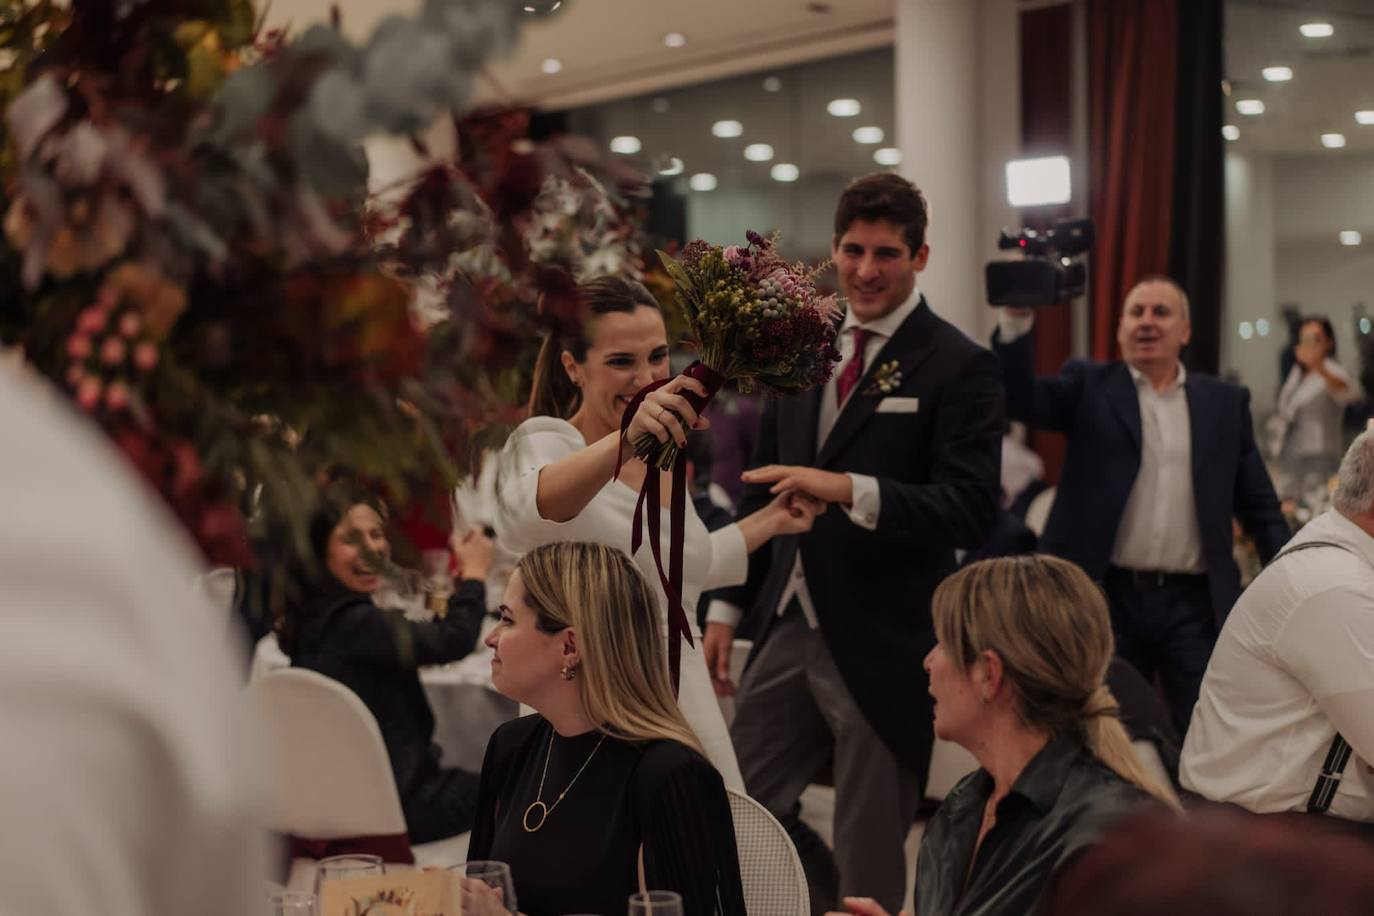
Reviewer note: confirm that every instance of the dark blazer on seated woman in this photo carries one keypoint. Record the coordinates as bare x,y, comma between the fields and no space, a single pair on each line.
621,795
375,653
1061,804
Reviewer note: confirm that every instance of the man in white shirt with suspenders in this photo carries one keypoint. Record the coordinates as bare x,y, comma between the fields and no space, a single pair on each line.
1285,720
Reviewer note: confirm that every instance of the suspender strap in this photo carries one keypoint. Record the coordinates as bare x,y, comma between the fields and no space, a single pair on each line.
1338,755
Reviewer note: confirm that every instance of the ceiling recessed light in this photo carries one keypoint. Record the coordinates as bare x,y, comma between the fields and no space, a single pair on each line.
844,108
542,7
1316,30
1247,330
1364,117
1333,141
1262,327
868,135
626,145
1351,237
784,171
772,84
727,129
551,65
758,152
888,155
702,181
1277,74
670,166
1231,132
1250,107
674,39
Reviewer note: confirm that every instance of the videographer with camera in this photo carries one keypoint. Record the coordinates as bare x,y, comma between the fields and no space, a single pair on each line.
1159,462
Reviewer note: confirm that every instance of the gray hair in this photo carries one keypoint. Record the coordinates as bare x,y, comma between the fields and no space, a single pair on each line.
1355,481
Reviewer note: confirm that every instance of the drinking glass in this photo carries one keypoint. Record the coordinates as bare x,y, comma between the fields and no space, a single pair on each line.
492,874
290,903
656,903
336,867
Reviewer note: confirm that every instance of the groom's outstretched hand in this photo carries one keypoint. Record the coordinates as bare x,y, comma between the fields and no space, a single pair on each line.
823,485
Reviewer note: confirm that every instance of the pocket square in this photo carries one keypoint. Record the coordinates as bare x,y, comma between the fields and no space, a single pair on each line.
899,405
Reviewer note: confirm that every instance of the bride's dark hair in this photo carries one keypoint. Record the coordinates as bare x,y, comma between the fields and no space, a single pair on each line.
552,393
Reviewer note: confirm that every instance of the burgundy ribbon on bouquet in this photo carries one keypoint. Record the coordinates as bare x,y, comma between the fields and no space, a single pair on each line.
678,627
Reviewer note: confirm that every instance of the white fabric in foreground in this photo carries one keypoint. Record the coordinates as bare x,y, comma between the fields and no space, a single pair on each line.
127,773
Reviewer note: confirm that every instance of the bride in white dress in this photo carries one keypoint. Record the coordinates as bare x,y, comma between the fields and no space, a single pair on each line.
555,479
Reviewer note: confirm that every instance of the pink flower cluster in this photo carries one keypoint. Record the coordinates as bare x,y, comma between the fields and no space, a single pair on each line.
105,345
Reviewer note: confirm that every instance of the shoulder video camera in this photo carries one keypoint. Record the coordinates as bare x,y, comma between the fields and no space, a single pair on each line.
1051,269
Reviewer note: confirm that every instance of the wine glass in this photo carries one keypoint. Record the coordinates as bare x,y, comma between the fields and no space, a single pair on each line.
336,867
486,874
657,903
291,903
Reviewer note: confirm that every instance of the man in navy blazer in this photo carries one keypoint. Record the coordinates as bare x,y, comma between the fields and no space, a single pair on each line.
905,440
1160,460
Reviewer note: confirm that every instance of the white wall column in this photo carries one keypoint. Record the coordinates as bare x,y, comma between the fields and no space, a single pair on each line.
958,122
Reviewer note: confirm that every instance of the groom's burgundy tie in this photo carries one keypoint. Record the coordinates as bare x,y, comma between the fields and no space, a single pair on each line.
854,369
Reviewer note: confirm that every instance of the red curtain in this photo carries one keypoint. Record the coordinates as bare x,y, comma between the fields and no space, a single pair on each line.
1047,130
1133,70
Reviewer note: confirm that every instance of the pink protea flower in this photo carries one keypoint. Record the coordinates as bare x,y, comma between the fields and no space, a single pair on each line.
733,255
117,396
107,298
90,320
130,324
78,346
145,356
88,393
113,351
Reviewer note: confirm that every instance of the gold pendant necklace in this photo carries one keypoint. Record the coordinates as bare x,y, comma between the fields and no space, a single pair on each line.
544,810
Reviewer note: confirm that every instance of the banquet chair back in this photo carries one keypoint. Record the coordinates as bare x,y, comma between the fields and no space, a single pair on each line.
769,869
331,776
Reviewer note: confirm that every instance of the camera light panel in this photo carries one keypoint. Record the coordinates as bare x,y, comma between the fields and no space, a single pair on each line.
1038,182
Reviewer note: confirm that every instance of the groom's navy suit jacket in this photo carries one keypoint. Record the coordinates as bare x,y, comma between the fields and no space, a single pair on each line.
938,473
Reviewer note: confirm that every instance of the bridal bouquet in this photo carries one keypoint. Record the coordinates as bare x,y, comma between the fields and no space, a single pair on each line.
753,318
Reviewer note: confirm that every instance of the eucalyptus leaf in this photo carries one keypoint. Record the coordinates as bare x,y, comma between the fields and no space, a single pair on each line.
337,104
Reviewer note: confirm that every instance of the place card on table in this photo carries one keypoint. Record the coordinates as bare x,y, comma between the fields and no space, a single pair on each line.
402,893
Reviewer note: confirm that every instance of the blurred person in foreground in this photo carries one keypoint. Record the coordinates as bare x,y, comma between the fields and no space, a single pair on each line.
337,629
1018,681
1216,862
1289,694
127,768
606,786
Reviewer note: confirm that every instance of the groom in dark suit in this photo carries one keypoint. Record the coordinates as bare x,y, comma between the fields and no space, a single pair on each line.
1159,462
906,439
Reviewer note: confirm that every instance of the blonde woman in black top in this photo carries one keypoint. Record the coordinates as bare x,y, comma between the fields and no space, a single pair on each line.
607,778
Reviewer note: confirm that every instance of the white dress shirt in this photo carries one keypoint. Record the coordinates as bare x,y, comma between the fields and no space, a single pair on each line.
1293,665
1158,529
129,779
863,510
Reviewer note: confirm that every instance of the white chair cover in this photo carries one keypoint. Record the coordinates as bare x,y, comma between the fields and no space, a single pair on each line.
329,770
770,871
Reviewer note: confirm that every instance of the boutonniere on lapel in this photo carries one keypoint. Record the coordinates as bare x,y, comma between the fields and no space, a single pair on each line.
886,379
